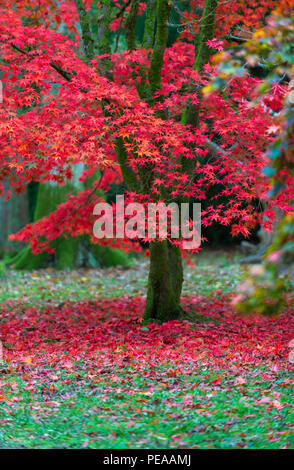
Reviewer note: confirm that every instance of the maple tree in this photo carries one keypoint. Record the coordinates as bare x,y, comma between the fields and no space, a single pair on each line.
137,114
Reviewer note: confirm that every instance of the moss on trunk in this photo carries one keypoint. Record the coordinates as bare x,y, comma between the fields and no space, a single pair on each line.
203,52
164,283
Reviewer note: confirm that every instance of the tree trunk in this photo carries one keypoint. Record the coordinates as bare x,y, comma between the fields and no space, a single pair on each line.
164,282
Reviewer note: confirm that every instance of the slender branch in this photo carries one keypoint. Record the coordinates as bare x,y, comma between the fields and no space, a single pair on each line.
123,9
202,55
154,75
88,42
66,75
187,23
93,191
101,23
128,174
148,37
191,113
118,35
213,148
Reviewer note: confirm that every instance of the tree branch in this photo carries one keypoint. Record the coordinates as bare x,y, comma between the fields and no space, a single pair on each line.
148,37
101,23
123,9
88,42
154,75
130,25
213,148
128,174
202,54
66,75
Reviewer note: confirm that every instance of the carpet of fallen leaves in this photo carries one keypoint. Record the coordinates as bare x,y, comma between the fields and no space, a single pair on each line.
109,328
90,374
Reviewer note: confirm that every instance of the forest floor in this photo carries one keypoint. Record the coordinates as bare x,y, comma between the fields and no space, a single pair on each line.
80,370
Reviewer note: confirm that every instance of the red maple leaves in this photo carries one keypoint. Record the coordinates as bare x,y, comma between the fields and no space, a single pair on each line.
59,111
111,331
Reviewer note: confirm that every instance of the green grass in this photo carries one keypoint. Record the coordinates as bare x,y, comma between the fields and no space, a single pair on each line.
154,412
122,407
211,272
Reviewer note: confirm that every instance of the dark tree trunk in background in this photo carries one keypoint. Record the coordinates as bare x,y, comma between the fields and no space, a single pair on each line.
32,191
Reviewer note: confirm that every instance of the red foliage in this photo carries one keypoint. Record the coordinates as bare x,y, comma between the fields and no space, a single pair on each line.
52,118
110,332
